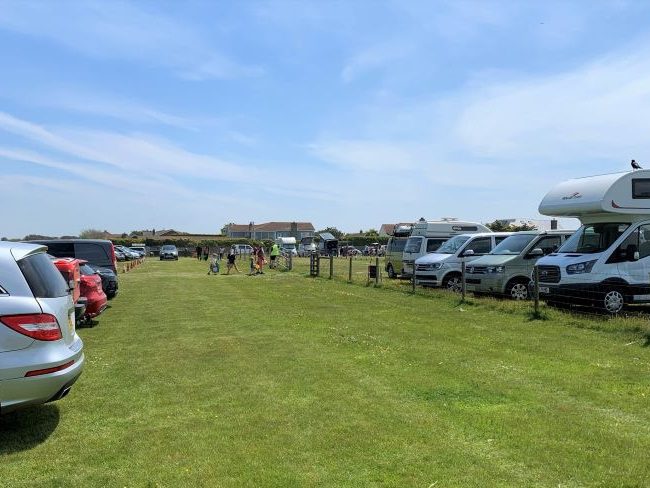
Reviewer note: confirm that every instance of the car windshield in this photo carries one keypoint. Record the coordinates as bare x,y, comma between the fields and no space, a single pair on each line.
169,248
593,238
452,245
413,244
513,245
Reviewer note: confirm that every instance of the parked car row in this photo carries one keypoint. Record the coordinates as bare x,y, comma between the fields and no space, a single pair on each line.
605,263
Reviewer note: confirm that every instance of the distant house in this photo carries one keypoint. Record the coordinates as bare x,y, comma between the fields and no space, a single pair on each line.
387,229
270,230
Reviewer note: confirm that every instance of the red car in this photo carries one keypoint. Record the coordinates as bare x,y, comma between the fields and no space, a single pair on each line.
70,269
91,289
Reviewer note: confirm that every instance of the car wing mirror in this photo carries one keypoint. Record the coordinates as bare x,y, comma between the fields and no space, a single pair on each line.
635,256
469,252
536,253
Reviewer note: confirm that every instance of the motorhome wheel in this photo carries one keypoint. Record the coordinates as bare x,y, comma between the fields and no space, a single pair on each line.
613,301
391,272
518,289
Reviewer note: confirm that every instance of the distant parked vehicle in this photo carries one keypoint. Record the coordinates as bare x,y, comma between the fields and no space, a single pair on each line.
306,246
287,245
41,356
168,251
109,280
71,272
141,248
91,288
96,251
243,248
119,255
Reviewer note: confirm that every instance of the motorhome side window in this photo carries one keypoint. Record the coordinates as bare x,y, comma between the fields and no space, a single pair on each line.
594,238
641,188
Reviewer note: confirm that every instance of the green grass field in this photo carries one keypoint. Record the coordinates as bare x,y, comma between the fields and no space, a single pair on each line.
284,380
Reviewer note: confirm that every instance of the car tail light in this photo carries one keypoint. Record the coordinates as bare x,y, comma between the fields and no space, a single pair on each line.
40,326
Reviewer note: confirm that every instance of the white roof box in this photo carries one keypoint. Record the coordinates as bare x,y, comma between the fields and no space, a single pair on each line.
619,193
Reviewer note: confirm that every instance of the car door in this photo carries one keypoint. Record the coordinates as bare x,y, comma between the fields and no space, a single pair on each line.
636,271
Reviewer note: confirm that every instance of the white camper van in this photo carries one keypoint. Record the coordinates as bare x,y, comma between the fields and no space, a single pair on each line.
607,261
443,267
426,237
287,245
395,249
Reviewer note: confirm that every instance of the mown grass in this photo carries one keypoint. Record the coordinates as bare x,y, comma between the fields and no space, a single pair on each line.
282,380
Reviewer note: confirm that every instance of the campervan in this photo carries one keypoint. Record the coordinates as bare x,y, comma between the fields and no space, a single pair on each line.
426,237
394,250
506,270
287,245
443,267
607,261
306,246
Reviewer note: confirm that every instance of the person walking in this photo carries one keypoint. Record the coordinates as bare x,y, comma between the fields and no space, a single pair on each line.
261,260
199,250
231,261
220,251
206,253
275,252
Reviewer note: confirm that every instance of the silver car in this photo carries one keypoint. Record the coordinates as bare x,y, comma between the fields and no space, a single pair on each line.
41,355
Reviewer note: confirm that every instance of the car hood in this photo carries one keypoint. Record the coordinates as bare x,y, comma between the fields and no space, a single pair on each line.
433,258
494,260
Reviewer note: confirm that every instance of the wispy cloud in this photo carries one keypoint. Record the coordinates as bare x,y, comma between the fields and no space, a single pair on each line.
126,31
379,56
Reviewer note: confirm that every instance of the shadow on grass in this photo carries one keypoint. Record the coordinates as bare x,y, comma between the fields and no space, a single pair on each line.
26,428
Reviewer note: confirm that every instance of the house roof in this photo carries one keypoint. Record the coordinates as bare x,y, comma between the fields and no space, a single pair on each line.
388,228
272,227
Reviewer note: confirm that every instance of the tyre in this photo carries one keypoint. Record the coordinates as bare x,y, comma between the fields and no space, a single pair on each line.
517,289
391,272
453,283
613,301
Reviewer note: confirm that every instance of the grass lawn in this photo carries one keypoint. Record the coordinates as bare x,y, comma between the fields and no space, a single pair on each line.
283,380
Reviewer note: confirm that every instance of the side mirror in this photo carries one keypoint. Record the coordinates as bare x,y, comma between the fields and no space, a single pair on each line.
71,286
636,256
469,252
536,253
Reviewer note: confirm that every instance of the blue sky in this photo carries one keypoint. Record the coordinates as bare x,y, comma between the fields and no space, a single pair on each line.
187,115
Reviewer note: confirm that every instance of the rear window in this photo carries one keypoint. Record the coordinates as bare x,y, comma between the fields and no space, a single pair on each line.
94,253
43,278
60,249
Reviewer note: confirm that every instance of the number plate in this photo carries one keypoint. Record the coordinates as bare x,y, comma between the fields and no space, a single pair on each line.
544,289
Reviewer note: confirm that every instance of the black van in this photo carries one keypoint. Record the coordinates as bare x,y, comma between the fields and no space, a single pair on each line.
99,252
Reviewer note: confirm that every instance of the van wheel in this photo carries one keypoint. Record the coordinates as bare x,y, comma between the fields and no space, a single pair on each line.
453,283
391,272
517,289
613,301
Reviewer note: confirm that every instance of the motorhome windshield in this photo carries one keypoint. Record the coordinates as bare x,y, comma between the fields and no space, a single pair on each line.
593,238
513,245
452,245
397,245
413,244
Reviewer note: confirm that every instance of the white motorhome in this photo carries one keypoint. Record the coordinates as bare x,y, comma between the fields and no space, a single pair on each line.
426,237
607,261
287,245
443,267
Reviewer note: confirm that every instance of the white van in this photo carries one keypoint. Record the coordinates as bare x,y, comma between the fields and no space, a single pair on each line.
306,246
443,267
426,237
607,261
395,249
287,245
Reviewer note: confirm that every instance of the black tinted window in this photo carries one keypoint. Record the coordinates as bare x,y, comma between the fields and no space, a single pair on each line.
86,270
91,252
43,278
434,244
641,188
61,249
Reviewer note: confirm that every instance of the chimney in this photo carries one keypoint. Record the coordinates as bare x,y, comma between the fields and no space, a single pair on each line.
294,229
553,224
